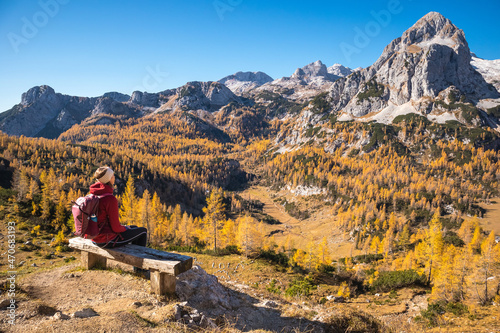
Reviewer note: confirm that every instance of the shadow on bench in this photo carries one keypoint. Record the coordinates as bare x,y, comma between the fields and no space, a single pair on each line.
163,266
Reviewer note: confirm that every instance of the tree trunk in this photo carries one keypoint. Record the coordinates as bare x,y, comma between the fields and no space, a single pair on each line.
430,272
485,286
215,235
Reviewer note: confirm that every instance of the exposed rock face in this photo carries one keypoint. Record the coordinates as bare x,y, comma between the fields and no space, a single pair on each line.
74,111
144,99
109,106
209,96
242,82
119,97
193,96
39,105
43,94
304,83
430,57
43,112
314,72
428,70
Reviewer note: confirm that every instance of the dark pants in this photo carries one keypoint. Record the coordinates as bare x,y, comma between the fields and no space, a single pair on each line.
133,235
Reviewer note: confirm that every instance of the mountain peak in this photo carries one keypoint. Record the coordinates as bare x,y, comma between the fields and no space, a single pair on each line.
242,82
316,72
313,69
436,29
432,18
36,93
339,70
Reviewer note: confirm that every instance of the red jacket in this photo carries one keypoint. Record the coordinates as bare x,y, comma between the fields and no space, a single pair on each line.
108,210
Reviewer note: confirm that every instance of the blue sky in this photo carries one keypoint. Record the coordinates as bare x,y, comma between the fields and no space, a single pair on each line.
87,48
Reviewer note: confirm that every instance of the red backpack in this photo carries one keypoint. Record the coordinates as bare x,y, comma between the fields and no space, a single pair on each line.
85,211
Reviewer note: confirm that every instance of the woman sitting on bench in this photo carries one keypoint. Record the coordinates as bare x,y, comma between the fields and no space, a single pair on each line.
112,233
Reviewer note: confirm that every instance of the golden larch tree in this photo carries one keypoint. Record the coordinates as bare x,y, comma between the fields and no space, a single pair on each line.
249,237
214,214
129,203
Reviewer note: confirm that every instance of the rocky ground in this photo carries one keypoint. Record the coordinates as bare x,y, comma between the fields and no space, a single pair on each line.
67,298
70,299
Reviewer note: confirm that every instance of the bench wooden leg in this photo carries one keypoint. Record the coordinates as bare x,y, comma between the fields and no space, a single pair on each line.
90,260
162,283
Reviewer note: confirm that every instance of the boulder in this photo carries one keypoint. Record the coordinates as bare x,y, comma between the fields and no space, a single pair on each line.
85,313
201,290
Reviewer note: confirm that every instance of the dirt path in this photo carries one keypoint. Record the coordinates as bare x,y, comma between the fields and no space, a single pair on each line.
80,289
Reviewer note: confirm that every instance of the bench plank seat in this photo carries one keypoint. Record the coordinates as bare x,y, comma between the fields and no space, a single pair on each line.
163,266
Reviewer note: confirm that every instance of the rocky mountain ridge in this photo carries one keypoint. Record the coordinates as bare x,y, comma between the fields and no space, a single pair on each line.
429,70
305,82
43,112
489,69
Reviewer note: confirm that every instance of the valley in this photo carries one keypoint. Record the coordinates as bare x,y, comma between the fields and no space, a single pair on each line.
301,232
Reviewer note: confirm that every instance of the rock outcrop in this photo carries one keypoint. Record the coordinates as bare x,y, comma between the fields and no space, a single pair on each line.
119,97
106,105
314,73
144,99
203,291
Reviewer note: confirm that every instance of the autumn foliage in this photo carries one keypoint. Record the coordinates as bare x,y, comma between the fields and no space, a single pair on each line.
403,197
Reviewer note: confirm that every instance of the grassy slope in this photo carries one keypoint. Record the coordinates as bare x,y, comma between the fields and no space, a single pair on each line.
491,220
321,222
56,284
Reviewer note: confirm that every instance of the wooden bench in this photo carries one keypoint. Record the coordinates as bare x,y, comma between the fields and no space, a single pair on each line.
163,266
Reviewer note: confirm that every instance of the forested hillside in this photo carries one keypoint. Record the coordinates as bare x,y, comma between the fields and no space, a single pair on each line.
405,195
